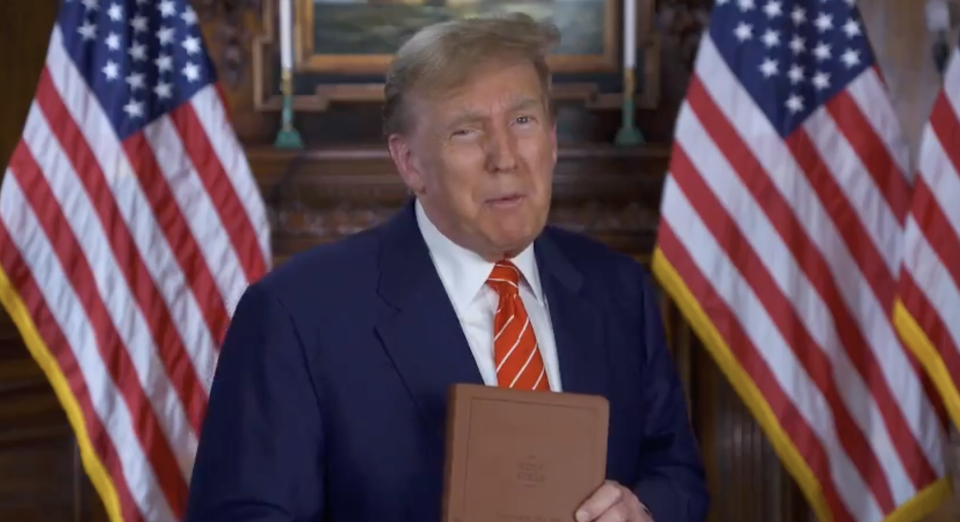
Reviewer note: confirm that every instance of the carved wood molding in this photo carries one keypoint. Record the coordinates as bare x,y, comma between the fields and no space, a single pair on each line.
230,30
682,22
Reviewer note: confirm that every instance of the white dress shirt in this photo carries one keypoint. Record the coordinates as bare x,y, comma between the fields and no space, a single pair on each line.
464,275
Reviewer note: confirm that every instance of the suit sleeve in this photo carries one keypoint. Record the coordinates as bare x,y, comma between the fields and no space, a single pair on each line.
261,447
672,483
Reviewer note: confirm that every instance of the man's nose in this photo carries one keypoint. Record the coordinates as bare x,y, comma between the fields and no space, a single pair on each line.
501,151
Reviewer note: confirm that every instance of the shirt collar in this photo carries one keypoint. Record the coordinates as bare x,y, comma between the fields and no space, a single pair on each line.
464,272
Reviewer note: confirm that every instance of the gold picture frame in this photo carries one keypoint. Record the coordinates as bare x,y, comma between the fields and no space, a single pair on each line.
381,25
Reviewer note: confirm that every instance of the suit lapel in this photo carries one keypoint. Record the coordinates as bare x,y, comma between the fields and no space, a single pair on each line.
577,321
422,334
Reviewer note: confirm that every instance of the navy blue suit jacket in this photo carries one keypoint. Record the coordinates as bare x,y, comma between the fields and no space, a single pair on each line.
329,399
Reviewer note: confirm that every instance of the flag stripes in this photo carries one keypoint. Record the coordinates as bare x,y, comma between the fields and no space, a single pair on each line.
783,253
927,312
121,262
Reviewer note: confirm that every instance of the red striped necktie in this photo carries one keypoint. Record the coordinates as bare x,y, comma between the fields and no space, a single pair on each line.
515,348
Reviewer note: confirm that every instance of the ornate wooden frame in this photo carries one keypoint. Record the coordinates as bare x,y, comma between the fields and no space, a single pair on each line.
266,97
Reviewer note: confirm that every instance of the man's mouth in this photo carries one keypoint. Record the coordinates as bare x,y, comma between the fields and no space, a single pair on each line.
506,201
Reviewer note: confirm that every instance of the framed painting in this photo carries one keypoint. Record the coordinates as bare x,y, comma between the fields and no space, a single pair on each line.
360,36
342,48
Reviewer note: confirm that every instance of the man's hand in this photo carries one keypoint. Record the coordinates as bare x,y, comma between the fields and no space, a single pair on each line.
613,503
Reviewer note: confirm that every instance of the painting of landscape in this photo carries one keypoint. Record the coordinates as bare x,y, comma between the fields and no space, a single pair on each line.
379,27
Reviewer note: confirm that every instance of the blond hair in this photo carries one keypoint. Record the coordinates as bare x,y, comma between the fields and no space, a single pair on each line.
444,56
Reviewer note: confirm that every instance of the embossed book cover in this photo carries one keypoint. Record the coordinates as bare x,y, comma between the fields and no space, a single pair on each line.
522,456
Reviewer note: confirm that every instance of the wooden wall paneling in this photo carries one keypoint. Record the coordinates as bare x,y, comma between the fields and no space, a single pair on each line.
24,29
747,480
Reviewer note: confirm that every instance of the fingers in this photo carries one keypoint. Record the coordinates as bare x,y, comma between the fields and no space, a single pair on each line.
619,512
601,501
628,509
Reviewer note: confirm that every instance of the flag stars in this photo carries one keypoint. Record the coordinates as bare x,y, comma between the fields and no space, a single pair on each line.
769,68
87,31
850,58
139,23
852,28
189,16
824,22
192,45
191,72
754,39
111,70
771,38
113,42
820,80
165,35
115,12
822,51
134,109
142,58
796,74
167,8
138,51
798,44
798,15
794,103
164,63
163,90
135,81
773,9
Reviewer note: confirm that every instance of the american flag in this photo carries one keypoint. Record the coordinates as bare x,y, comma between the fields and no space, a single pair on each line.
780,239
927,313
130,224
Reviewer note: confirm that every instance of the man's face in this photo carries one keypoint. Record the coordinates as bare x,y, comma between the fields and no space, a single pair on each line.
481,160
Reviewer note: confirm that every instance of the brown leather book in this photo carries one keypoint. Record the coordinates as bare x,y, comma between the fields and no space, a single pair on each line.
522,456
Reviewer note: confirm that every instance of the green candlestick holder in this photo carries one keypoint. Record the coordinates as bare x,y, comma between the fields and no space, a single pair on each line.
288,137
628,135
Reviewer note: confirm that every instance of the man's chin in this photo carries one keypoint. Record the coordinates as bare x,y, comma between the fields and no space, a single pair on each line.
515,242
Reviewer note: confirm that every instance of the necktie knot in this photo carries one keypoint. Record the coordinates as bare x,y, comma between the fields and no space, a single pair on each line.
505,278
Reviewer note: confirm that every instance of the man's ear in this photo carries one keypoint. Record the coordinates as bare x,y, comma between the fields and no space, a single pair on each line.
406,164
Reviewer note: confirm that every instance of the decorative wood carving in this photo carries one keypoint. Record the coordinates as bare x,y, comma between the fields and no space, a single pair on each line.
229,19
682,23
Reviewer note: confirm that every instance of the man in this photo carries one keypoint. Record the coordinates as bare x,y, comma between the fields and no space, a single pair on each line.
330,395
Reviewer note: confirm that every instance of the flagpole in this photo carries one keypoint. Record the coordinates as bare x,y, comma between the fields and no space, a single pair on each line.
288,137
629,134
